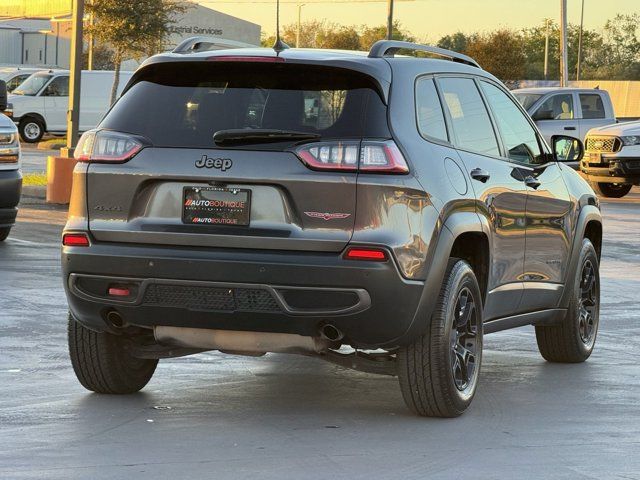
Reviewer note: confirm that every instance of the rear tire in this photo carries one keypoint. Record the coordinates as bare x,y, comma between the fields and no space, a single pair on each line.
103,364
439,371
31,130
573,340
4,233
611,190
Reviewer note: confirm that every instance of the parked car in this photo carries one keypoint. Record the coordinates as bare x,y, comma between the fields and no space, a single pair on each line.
415,210
10,176
612,159
567,111
14,76
40,103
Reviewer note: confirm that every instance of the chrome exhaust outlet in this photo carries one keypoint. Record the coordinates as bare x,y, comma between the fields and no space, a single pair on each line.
252,343
331,333
115,319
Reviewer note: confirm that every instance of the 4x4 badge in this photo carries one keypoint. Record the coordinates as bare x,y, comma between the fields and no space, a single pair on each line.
219,163
327,216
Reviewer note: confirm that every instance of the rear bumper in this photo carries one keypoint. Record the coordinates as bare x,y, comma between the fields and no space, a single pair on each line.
233,289
10,189
613,170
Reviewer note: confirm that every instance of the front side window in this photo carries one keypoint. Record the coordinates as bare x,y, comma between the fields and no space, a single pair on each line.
592,105
32,85
519,137
59,87
429,110
556,107
470,120
15,82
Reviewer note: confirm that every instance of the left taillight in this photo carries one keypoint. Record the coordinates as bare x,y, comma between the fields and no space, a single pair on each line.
351,156
105,146
9,148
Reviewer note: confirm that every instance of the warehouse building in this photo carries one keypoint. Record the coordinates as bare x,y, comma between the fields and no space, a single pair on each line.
47,41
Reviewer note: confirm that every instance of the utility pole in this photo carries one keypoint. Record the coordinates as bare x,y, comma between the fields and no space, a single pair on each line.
300,5
580,42
75,65
90,46
564,68
546,49
390,20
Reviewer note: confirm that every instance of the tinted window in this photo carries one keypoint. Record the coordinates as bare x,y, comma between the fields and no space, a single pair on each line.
518,136
184,104
556,107
59,87
470,121
429,111
592,105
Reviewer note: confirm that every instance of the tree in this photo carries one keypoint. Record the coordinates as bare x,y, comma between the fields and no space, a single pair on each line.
371,35
456,42
500,52
132,28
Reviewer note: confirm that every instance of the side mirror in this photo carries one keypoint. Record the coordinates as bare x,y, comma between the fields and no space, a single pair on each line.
3,95
566,149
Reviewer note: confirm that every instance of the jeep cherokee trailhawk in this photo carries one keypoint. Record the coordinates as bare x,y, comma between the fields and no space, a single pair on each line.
377,211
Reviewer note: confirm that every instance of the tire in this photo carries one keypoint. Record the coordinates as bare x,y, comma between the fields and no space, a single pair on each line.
573,340
432,377
103,364
611,190
31,129
4,233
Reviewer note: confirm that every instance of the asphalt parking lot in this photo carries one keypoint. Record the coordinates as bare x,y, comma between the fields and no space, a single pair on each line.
280,416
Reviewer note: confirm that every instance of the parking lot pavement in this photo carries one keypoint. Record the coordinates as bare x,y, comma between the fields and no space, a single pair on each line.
35,160
281,416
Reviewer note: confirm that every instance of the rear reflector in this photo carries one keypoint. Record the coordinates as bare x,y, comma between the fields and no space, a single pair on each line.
370,254
119,291
75,240
351,156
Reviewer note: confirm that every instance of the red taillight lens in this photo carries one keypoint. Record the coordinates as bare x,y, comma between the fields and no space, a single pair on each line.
366,156
119,291
370,254
75,240
107,146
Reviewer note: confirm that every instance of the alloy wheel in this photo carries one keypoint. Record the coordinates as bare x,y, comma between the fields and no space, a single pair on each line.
588,303
464,340
32,130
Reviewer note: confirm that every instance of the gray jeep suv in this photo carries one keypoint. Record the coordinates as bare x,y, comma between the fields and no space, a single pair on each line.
376,211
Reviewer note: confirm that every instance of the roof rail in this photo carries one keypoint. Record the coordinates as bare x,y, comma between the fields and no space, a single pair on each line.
203,44
388,48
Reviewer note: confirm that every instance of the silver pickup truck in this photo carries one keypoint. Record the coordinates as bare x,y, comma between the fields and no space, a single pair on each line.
567,111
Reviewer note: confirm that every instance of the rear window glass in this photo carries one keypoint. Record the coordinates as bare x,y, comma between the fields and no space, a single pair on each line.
184,104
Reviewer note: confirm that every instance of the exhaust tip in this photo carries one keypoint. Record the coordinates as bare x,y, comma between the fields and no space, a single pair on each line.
115,319
331,333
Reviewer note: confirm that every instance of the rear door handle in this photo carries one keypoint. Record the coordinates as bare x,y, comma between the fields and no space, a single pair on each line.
532,182
480,175
569,128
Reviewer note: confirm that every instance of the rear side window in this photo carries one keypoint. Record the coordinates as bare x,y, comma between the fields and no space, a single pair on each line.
469,117
429,111
518,136
183,104
592,105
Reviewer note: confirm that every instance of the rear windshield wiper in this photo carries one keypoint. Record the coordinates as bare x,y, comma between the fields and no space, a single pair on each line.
259,135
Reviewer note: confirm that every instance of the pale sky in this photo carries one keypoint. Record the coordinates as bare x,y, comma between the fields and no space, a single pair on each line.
427,19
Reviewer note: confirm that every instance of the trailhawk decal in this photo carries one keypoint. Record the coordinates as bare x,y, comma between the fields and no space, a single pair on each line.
327,216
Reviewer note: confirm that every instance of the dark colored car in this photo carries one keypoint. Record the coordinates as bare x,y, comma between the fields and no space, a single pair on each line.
10,176
300,201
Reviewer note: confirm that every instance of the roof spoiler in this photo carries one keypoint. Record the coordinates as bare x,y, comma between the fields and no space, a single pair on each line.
204,44
388,48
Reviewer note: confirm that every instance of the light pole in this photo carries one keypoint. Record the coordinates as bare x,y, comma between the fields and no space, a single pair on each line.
580,42
564,69
300,5
75,66
390,19
546,49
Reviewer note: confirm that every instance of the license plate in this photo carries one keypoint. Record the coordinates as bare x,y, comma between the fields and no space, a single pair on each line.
594,157
216,206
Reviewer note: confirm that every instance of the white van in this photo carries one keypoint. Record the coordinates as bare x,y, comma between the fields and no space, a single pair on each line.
14,76
40,103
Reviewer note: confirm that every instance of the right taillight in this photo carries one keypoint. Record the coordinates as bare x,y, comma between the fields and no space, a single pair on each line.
365,156
107,146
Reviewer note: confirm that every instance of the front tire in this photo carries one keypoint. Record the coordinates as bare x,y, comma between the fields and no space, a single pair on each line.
573,340
611,190
103,364
439,371
4,233
31,130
